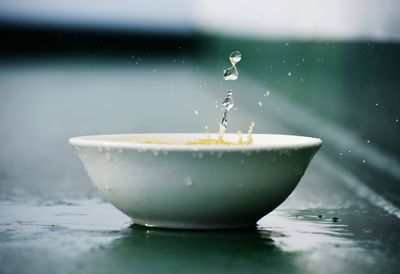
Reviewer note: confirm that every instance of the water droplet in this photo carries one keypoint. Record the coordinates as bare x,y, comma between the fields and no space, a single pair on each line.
364,161
228,101
108,188
120,150
227,105
242,161
266,94
188,181
260,103
235,57
100,149
340,153
289,73
368,141
196,112
232,72
156,152
376,104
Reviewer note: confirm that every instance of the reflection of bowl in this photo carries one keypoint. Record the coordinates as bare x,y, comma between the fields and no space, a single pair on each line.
159,180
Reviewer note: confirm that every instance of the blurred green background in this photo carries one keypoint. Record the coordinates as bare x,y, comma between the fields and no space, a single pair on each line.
320,69
72,69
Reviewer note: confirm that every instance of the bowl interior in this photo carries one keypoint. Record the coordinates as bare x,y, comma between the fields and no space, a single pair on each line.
179,141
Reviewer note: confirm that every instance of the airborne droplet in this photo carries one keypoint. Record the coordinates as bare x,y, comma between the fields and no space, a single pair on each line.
188,181
235,57
232,72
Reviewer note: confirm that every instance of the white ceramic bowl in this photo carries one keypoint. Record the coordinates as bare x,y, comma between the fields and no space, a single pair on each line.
167,183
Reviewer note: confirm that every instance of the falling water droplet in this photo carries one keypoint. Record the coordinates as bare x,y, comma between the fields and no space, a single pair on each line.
227,105
235,57
260,103
188,181
196,112
228,102
232,72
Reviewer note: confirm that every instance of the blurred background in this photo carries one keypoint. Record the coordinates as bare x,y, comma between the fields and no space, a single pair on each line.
327,69
74,68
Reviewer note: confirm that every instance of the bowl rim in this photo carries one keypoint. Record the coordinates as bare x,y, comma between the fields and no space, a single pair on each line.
100,141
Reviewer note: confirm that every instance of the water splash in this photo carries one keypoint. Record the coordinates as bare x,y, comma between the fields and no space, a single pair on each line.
227,104
229,74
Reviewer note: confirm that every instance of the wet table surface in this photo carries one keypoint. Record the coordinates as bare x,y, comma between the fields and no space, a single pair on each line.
332,222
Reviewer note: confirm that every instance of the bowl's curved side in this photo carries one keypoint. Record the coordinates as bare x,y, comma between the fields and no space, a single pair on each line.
195,190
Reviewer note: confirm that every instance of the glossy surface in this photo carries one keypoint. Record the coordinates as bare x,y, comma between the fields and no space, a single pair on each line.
165,183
